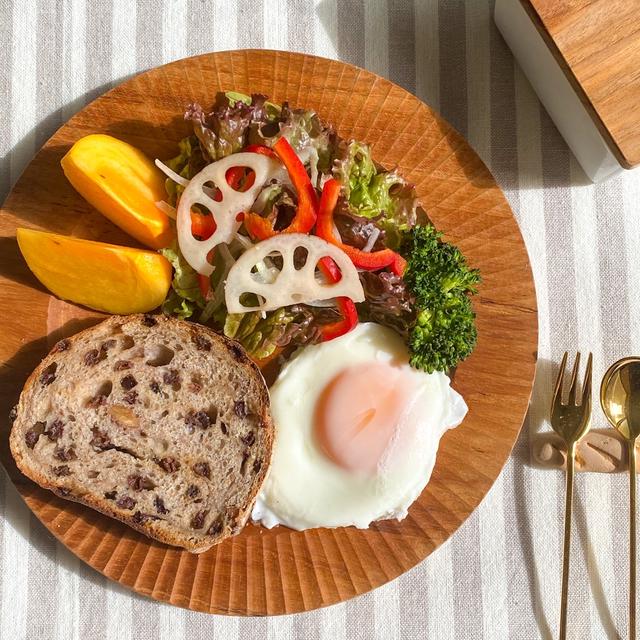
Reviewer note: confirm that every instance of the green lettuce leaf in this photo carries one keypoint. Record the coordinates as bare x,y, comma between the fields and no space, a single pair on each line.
272,110
235,96
174,305
372,193
355,170
186,164
237,120
305,132
185,278
259,336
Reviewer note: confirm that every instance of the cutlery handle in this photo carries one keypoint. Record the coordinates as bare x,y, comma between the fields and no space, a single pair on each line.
632,539
566,551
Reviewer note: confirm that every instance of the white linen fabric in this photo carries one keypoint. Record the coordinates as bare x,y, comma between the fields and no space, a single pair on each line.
499,575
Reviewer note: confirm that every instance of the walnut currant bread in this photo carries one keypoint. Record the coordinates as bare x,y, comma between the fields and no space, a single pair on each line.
158,422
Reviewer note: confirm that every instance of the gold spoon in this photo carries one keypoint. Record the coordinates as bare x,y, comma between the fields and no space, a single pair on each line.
620,400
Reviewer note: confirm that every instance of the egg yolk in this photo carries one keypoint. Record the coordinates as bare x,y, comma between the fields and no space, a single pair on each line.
358,412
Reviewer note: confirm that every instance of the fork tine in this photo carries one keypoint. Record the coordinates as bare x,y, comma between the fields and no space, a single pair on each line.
586,386
574,380
557,394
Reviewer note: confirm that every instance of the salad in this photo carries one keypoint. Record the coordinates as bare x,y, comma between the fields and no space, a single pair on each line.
304,180
268,227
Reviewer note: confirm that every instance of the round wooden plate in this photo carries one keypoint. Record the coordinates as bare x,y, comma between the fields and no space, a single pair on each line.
283,571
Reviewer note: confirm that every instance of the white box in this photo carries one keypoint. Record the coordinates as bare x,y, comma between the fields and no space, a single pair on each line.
555,91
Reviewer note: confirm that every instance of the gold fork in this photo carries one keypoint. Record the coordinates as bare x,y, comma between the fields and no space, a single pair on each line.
571,422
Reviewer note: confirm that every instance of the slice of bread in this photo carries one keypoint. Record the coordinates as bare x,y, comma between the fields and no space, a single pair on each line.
158,422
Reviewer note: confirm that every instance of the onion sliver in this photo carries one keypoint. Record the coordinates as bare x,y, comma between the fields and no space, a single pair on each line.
165,207
371,240
170,173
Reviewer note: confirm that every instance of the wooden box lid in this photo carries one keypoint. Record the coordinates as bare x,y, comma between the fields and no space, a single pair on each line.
597,43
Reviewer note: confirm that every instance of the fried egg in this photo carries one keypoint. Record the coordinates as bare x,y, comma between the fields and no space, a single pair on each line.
357,431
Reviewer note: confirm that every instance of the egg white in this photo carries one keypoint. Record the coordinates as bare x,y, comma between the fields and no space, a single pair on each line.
304,488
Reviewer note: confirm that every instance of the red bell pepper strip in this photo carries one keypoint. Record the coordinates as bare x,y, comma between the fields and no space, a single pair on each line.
202,226
340,327
346,305
260,148
234,177
307,211
369,260
330,270
238,179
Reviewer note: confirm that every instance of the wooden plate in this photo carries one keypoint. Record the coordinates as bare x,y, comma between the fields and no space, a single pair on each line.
282,571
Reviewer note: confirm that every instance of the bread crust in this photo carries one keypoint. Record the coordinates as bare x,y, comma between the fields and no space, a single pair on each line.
69,489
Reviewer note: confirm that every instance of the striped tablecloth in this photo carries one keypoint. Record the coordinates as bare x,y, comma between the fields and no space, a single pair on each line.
498,577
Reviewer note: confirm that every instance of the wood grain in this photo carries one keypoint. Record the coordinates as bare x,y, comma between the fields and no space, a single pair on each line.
282,571
597,43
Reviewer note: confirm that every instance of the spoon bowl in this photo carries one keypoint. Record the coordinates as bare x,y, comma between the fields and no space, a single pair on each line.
620,400
620,396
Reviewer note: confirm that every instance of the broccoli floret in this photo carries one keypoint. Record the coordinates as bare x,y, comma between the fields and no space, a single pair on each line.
438,276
